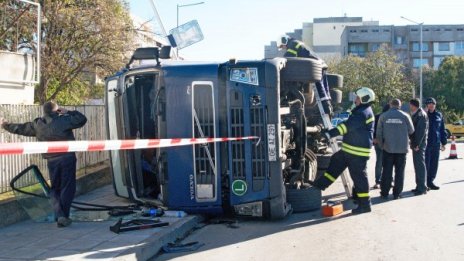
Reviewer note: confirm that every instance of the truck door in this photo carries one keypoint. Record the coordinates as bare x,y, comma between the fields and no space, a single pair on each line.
114,132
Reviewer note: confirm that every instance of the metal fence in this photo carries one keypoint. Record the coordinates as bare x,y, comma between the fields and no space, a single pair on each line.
10,165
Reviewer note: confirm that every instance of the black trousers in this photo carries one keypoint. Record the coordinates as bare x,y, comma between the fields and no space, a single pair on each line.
62,172
357,167
390,160
420,169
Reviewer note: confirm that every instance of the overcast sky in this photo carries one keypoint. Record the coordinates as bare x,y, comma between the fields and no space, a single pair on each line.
241,28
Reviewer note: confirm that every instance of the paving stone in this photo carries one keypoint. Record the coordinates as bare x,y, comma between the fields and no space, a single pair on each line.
23,253
80,244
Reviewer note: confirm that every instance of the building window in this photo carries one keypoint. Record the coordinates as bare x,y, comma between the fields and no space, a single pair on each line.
386,30
353,31
399,40
363,31
414,30
375,30
416,63
416,48
444,47
459,45
358,49
460,29
375,46
448,29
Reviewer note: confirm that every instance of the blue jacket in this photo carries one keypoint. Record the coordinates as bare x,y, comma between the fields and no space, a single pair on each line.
437,132
357,131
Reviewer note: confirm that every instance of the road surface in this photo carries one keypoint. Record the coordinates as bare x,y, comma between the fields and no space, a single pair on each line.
428,227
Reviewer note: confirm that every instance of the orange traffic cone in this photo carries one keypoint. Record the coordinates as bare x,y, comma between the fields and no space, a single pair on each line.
453,153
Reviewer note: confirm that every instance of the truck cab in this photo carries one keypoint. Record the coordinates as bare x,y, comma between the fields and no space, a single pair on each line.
272,99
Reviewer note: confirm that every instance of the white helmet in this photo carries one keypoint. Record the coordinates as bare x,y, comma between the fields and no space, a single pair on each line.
283,40
365,94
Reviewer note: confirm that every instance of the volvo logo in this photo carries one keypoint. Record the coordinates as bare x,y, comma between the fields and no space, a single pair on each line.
192,187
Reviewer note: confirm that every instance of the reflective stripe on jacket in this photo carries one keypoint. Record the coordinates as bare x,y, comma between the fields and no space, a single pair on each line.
357,131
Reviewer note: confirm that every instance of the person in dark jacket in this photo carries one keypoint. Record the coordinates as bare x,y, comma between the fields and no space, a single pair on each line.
378,150
418,141
393,130
296,48
435,136
55,125
357,133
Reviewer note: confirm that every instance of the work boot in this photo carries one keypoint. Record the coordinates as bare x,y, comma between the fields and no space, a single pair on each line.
63,222
364,206
320,183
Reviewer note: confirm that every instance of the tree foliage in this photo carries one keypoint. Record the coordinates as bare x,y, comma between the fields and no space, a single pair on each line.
78,37
447,85
379,71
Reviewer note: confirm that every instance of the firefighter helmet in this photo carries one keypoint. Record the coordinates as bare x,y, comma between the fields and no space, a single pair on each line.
365,94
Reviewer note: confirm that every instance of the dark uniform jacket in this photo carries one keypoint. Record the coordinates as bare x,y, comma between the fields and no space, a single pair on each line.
297,48
421,127
357,131
437,132
52,127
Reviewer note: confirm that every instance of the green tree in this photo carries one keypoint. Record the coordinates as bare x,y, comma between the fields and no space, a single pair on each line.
77,36
447,85
379,71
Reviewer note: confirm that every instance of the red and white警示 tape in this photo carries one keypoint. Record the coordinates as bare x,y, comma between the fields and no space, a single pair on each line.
101,145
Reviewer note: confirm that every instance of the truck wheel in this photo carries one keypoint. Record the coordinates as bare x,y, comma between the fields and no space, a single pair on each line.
335,80
323,161
302,70
304,199
336,96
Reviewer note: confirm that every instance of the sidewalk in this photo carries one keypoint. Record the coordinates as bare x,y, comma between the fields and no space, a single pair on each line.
89,240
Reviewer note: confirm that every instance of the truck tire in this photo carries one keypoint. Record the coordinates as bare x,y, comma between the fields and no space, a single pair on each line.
335,80
304,199
336,96
302,70
323,161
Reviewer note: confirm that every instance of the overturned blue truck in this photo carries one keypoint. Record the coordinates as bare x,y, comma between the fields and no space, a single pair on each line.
273,99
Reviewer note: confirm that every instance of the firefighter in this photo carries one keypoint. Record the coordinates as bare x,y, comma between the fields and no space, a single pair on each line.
357,133
296,48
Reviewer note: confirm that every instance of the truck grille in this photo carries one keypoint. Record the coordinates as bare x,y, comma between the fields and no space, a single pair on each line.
258,152
238,147
203,126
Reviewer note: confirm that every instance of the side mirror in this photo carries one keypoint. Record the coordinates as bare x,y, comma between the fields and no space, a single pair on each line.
165,52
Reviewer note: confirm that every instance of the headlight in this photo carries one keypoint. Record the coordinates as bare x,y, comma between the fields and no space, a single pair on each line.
254,209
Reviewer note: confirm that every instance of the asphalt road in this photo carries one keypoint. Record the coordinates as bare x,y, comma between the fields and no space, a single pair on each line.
428,227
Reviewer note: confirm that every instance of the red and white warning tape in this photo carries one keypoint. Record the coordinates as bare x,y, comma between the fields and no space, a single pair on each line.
100,145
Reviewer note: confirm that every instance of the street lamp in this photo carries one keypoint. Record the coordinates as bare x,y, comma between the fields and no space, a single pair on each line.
179,6
420,57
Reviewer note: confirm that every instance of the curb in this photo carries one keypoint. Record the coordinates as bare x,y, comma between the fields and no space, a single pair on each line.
150,247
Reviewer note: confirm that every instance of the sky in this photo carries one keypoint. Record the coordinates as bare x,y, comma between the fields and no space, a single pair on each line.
240,28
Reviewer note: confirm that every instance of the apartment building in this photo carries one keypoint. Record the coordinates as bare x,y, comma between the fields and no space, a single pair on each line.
438,41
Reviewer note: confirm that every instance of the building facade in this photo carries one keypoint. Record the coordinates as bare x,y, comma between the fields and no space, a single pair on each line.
322,36
438,41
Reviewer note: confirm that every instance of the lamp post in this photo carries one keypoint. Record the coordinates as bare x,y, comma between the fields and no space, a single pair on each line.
179,6
420,57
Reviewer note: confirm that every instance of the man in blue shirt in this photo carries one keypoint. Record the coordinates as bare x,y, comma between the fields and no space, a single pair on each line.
436,137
